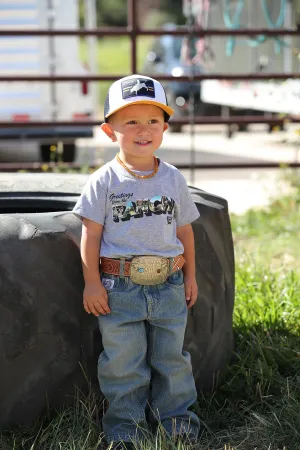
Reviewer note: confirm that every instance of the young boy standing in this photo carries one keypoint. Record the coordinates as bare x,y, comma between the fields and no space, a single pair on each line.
137,214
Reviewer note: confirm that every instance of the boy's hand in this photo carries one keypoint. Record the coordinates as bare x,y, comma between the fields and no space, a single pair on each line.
95,298
191,291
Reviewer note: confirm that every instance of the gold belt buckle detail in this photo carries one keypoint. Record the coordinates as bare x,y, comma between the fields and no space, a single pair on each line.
149,270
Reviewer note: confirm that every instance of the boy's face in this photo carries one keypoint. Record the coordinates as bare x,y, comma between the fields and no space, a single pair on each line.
137,128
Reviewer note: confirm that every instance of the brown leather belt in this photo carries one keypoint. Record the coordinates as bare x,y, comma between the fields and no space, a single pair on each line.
112,266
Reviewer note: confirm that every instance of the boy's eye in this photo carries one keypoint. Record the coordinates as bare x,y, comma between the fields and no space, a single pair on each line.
134,122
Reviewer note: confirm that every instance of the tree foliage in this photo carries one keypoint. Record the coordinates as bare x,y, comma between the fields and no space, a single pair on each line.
114,12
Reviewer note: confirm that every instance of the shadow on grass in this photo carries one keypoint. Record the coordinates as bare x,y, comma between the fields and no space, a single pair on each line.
256,404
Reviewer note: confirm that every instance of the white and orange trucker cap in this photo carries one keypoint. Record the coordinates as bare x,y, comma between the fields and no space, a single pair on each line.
133,90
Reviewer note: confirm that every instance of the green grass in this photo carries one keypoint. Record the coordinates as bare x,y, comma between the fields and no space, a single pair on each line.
270,235
257,402
114,57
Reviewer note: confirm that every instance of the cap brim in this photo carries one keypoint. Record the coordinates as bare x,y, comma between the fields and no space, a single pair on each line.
165,108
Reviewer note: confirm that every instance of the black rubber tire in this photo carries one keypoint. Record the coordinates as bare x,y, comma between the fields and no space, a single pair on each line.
69,153
44,331
43,327
209,333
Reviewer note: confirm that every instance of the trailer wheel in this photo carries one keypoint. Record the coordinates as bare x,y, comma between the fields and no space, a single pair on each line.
243,128
274,128
175,128
45,333
69,153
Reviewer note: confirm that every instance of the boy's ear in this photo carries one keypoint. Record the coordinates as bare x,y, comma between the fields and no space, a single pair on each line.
106,127
166,126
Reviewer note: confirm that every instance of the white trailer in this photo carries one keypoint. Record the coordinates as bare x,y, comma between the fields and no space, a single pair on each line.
35,55
256,55
282,97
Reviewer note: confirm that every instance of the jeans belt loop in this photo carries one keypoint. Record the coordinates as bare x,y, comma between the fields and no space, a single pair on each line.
171,262
122,267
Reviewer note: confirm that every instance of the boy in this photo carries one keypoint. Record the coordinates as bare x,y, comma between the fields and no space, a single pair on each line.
137,214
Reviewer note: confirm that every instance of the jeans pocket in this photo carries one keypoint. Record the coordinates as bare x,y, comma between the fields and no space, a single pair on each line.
176,279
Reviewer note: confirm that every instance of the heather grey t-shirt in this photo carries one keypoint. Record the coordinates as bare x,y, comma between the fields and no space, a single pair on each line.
140,216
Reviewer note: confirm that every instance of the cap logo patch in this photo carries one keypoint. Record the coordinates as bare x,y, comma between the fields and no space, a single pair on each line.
138,87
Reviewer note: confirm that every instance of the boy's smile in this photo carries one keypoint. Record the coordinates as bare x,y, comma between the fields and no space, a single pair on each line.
143,143
138,129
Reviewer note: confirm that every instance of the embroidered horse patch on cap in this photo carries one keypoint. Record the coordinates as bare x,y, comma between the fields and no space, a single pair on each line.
138,87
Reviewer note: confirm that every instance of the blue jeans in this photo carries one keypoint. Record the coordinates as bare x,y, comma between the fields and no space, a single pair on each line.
143,364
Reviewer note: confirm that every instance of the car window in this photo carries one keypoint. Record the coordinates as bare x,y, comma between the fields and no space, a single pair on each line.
158,49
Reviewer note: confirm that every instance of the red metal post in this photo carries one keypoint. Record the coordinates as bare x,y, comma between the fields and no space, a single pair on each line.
133,27
214,76
40,167
127,31
201,120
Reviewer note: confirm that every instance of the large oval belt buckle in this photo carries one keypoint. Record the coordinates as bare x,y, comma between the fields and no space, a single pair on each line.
149,270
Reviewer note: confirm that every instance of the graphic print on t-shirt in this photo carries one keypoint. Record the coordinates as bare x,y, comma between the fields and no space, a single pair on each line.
124,209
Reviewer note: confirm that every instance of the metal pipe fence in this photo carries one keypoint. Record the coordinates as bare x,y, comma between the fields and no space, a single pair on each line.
128,31
110,77
133,31
44,167
201,120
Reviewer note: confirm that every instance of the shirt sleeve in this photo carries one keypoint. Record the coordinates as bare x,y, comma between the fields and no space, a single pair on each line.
92,201
186,212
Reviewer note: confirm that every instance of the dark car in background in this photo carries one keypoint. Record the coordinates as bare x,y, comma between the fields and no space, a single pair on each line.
178,56
168,56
